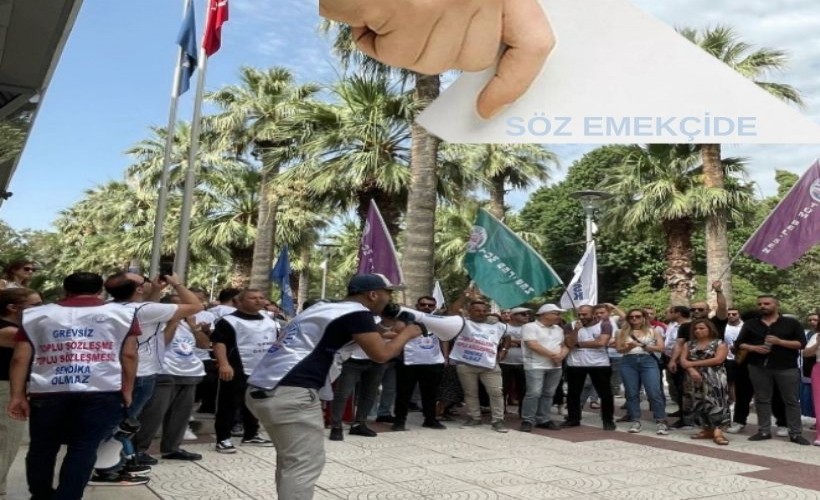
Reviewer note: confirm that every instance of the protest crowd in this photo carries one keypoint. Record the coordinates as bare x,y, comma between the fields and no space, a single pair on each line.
135,358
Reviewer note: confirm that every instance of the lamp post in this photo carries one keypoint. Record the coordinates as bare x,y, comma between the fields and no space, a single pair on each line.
591,201
327,249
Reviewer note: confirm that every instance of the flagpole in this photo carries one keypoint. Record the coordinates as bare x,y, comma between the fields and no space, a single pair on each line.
162,199
181,262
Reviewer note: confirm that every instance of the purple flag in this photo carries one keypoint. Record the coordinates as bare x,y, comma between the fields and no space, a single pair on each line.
793,227
377,253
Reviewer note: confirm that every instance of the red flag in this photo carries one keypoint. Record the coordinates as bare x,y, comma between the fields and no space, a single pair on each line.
217,15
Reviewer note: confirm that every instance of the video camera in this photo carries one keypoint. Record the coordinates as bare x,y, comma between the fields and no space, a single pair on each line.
393,311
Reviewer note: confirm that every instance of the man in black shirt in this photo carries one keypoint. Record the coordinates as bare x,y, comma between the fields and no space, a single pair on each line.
284,388
772,343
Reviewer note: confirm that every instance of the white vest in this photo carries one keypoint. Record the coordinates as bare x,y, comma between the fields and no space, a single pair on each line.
477,344
253,338
297,341
423,351
77,349
588,356
181,357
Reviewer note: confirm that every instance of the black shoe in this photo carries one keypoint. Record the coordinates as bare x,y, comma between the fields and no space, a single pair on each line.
798,439
398,426
549,425
387,419
134,469
675,414
143,458
413,407
237,430
625,418
181,454
433,424
361,430
336,434
760,436
570,423
525,426
610,426
117,479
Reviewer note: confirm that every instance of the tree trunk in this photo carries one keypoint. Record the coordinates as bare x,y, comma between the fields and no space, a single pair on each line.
420,221
304,276
241,264
497,198
265,230
717,240
679,274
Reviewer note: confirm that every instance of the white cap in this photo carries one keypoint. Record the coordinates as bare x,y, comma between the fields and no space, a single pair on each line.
516,310
546,308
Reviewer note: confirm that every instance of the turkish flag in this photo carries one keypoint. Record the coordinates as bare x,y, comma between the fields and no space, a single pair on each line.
217,15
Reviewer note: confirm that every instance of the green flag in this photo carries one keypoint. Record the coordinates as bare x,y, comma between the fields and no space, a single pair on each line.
503,265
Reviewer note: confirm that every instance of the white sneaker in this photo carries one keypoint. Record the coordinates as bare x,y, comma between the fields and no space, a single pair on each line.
662,429
635,428
735,428
189,435
816,442
225,446
782,432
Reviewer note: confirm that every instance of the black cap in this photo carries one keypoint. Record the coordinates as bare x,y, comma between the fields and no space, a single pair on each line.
362,283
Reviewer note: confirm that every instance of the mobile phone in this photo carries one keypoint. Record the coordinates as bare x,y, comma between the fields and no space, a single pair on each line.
166,267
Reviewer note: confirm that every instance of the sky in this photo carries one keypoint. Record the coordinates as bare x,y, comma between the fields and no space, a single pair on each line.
114,78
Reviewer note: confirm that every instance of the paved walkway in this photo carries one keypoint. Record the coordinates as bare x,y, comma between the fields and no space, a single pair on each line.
477,463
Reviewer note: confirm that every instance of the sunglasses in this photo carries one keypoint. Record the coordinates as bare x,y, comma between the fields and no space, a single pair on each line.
698,308
427,305
635,317
29,268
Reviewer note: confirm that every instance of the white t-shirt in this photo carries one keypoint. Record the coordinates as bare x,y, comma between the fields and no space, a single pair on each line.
550,337
515,356
670,338
220,310
732,331
204,317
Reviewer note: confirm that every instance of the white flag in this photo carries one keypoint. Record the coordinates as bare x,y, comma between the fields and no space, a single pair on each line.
584,285
438,295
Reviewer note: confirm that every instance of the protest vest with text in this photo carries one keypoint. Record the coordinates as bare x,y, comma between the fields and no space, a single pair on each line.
77,349
477,344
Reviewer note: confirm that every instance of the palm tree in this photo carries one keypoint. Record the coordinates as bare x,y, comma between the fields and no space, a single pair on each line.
355,149
420,219
660,186
498,166
755,64
252,117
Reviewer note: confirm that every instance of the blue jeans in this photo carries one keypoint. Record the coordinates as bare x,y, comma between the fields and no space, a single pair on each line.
143,390
79,420
541,386
637,370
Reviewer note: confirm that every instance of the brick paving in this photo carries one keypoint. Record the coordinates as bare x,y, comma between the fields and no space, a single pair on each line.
477,463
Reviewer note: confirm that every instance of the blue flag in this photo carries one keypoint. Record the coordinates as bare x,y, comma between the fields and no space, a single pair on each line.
281,275
187,41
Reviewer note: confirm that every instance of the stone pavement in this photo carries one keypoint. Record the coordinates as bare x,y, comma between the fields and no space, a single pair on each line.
477,463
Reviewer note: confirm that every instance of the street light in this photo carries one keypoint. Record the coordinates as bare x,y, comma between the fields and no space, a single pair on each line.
327,250
591,201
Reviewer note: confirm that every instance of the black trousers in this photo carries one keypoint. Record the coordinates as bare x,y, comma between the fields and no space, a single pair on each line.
428,378
744,392
600,376
230,397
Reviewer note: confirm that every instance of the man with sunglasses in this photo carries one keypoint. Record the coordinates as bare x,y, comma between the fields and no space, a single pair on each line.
422,363
773,343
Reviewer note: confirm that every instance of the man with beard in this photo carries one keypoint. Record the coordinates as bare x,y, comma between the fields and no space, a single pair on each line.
772,343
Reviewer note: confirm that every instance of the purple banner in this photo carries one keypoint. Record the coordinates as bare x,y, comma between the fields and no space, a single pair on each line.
793,227
377,253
